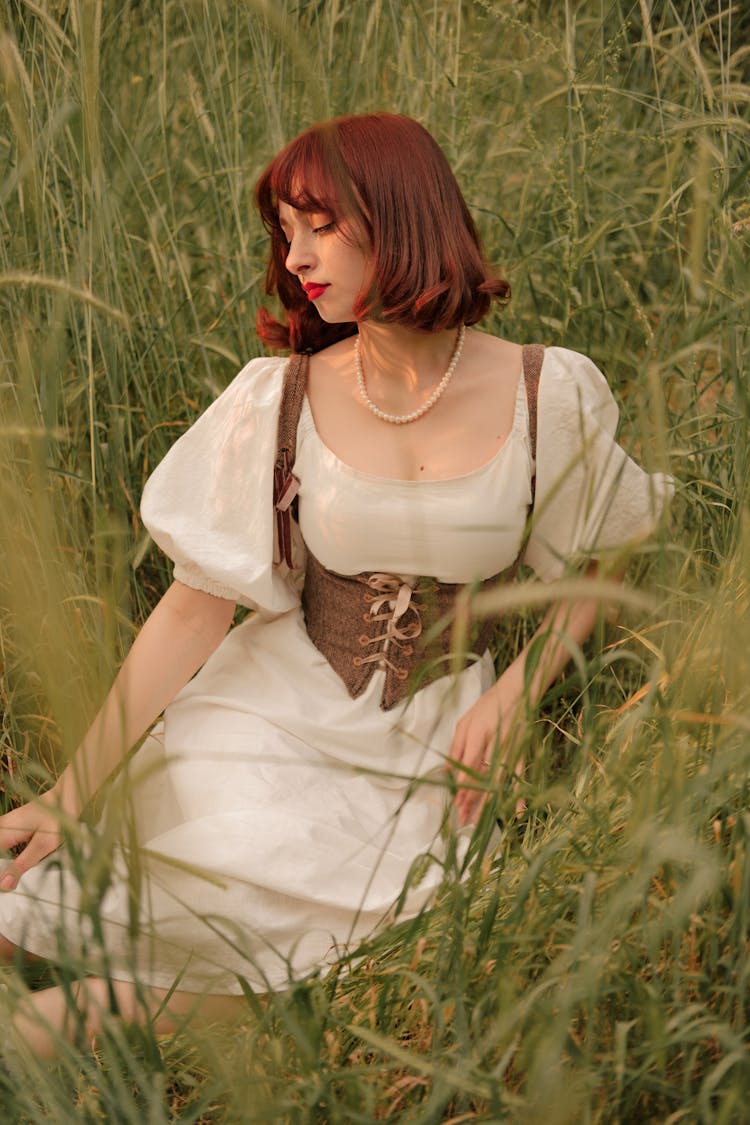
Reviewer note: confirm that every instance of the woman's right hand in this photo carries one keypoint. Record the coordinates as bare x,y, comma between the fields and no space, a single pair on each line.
486,737
37,825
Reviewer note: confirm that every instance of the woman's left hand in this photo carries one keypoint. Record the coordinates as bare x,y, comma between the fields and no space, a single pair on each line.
484,741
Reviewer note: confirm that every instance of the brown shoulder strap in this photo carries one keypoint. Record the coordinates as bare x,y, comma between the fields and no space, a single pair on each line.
292,394
533,357
285,484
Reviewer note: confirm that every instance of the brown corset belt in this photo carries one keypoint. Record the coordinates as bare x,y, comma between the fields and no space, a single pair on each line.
365,622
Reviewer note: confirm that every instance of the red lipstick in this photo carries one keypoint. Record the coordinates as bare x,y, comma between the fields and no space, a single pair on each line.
313,290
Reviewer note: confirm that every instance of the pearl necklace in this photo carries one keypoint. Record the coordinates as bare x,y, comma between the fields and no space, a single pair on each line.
402,419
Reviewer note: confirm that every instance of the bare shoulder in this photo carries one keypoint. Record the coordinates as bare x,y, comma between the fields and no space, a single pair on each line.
493,353
491,364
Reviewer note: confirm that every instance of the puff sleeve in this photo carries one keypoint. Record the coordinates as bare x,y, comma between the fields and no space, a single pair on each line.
590,496
208,505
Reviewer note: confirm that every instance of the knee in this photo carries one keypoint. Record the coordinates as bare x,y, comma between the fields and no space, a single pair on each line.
98,999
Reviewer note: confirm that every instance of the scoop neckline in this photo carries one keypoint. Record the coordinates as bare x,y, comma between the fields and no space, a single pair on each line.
519,426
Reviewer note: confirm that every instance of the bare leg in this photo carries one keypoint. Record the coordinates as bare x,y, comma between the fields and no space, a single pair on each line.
10,953
44,1018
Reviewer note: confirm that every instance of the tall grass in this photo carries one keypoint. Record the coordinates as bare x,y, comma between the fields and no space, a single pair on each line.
594,966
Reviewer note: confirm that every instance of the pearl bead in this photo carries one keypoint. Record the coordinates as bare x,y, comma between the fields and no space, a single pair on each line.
403,419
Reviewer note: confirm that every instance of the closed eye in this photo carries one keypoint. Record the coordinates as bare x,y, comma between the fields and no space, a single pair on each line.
324,229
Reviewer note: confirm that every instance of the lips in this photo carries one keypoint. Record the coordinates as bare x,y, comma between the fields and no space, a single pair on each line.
313,290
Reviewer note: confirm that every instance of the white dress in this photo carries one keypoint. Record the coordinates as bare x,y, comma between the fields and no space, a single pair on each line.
271,821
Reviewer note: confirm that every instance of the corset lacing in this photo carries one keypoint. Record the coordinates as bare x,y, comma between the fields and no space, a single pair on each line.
390,600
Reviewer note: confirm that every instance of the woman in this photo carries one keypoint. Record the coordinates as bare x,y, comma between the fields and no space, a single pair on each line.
275,814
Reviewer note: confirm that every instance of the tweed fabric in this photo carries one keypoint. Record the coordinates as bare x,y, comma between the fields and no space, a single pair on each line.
365,622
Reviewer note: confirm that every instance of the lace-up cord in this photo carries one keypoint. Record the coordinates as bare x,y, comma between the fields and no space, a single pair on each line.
399,598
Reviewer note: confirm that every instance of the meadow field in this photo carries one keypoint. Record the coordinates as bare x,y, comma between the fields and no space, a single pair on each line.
594,965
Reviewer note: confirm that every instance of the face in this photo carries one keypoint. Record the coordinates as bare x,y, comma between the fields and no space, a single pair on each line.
330,266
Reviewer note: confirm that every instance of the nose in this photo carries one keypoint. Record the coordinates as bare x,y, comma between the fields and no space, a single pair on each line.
300,256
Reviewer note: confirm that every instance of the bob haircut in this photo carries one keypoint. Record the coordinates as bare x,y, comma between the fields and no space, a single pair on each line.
383,177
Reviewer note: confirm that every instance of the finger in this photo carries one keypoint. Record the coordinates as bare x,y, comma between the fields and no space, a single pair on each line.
471,798
9,878
13,831
12,839
476,812
471,792
474,761
457,748
40,845
475,805
464,782
477,750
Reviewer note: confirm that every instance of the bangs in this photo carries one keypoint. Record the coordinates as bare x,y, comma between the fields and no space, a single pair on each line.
309,175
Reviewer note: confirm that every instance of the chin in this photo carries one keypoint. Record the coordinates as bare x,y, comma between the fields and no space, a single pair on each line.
332,316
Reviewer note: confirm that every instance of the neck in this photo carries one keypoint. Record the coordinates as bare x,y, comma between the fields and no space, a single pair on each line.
393,355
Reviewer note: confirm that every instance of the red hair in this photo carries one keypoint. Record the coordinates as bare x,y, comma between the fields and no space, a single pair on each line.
386,176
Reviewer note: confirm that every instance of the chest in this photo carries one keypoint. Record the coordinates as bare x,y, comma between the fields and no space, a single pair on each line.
463,432
455,529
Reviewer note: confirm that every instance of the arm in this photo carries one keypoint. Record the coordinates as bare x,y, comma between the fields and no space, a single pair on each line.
504,705
176,640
